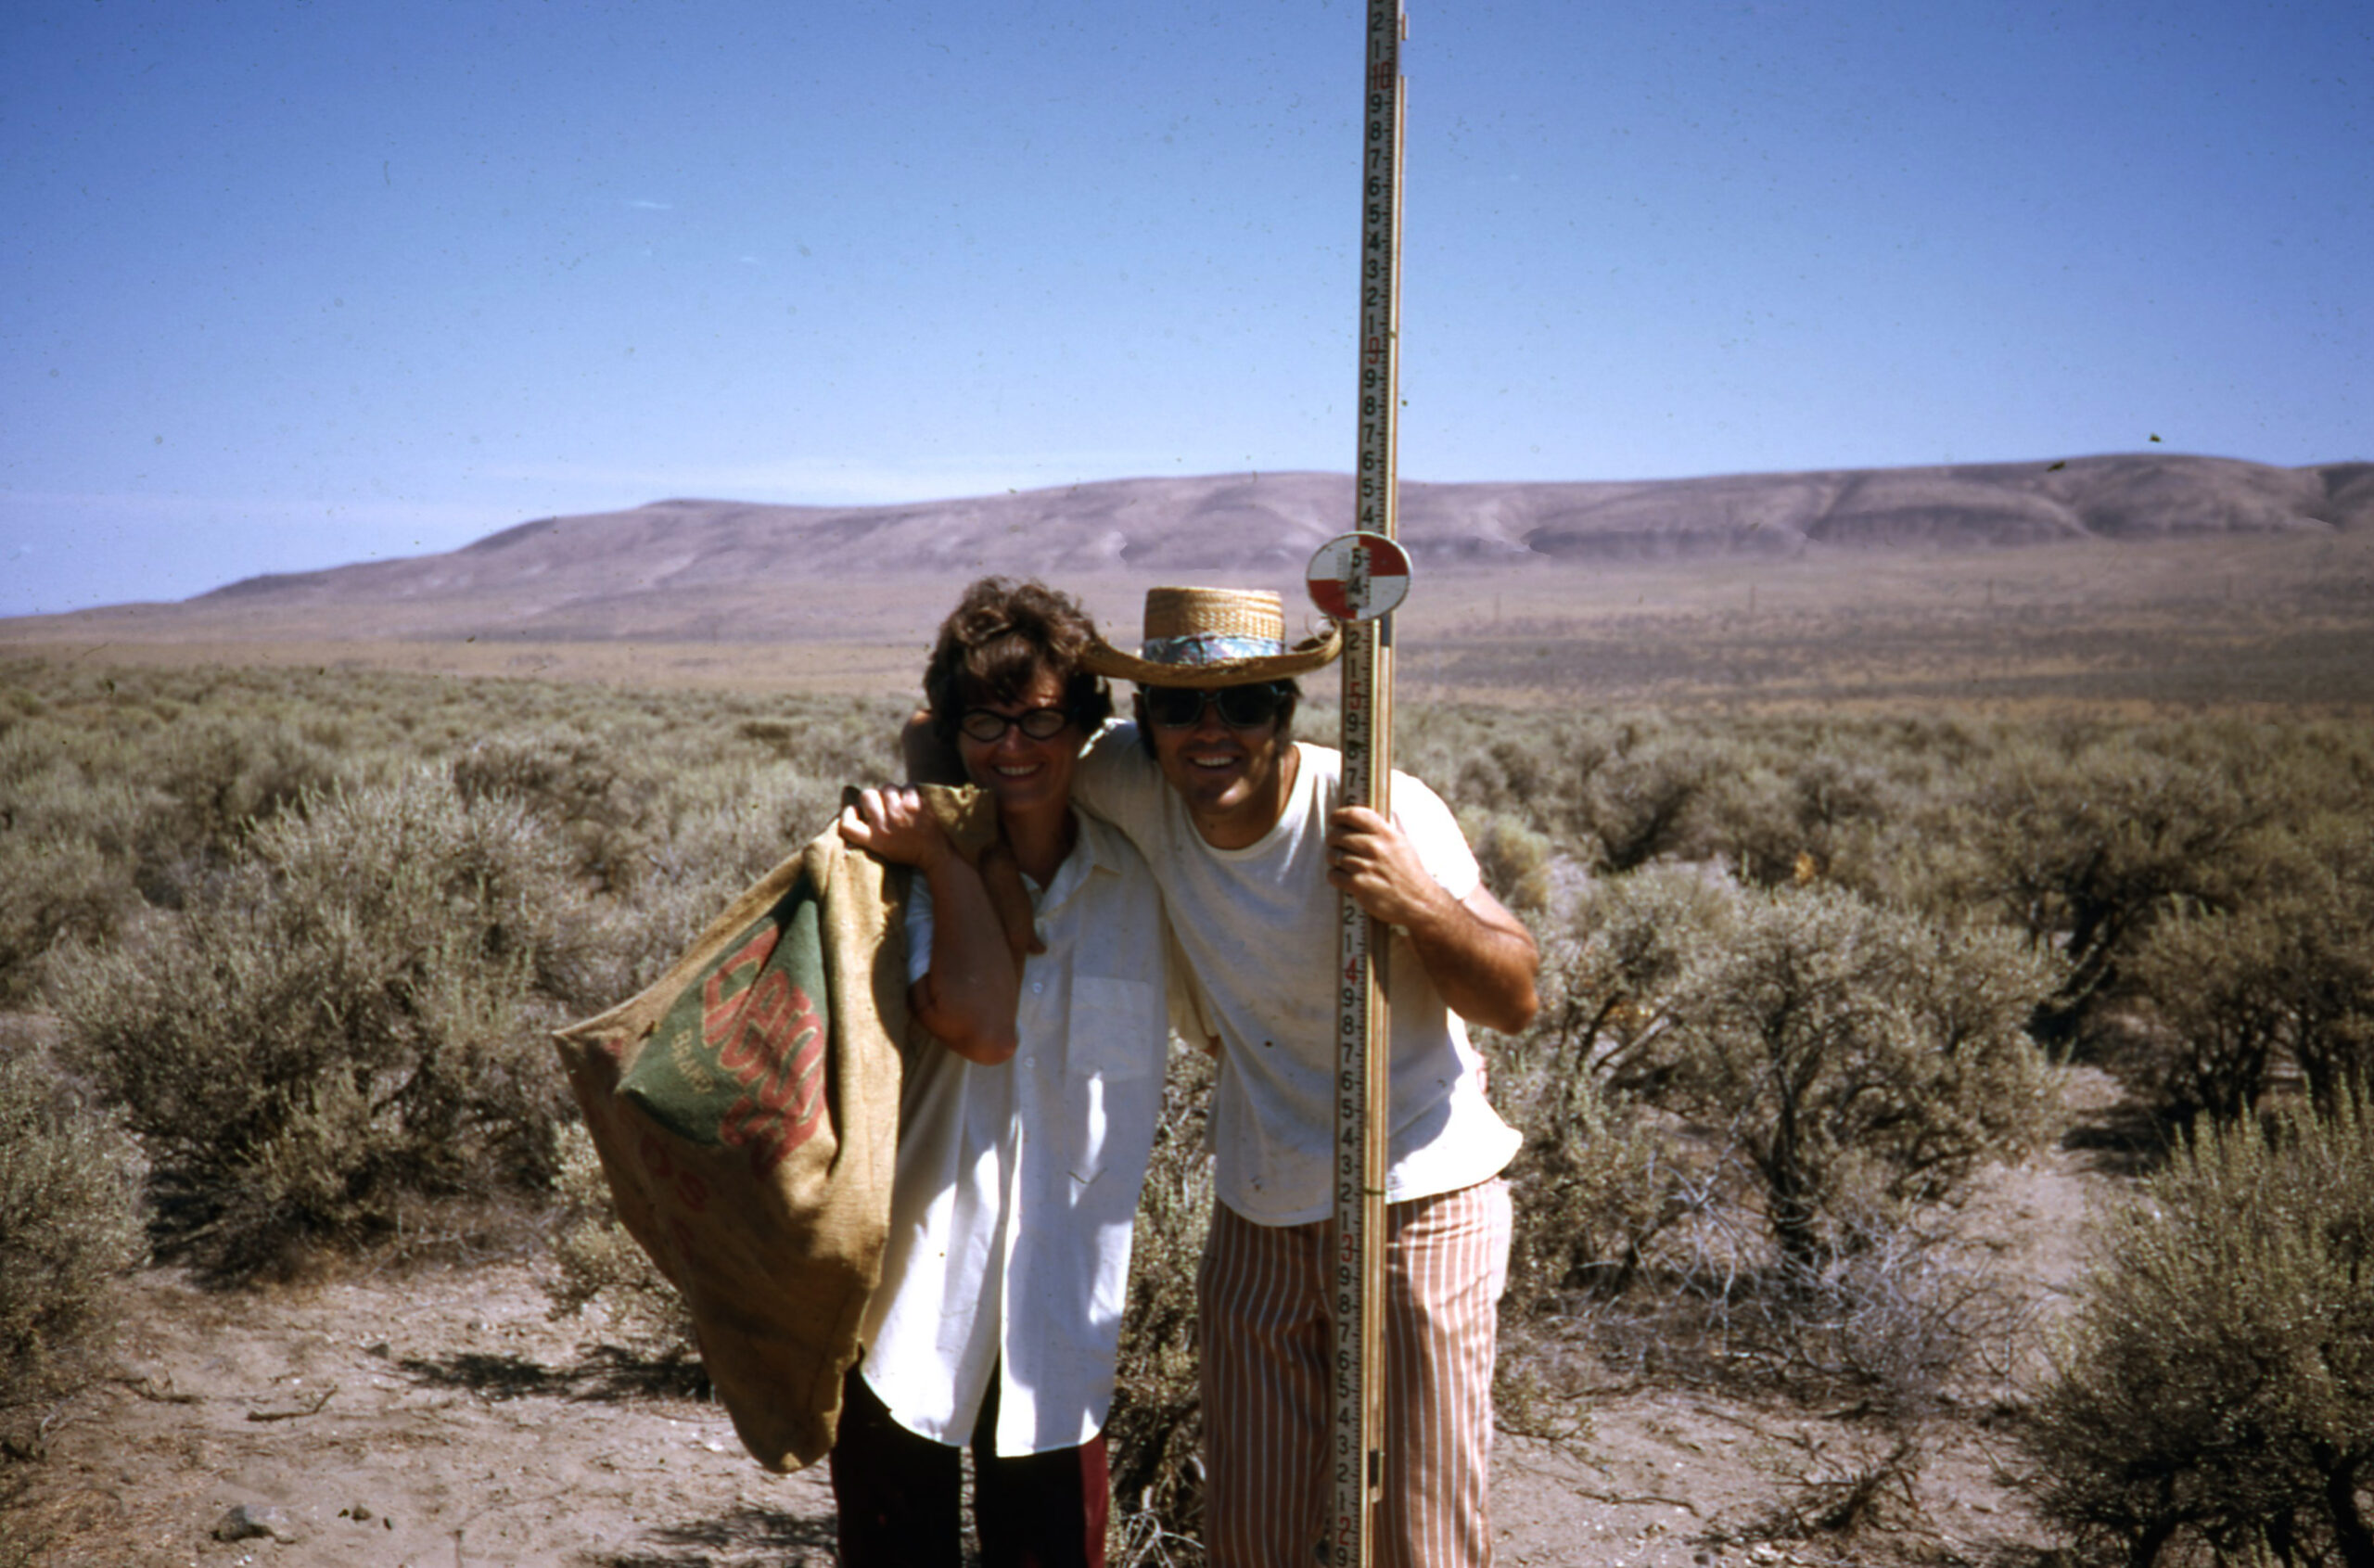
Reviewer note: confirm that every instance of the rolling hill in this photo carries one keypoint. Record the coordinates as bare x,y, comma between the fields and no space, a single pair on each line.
574,575
2141,563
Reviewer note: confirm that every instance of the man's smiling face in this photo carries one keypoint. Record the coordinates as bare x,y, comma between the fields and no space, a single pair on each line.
1233,781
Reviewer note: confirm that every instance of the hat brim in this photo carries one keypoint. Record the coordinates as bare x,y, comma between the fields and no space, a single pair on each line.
1304,656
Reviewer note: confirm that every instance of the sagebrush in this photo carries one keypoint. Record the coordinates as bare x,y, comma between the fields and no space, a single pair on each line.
2215,1390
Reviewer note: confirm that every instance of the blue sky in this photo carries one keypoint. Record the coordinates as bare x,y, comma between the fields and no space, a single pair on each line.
292,285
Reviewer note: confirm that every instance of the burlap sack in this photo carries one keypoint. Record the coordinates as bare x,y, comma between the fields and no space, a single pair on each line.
745,1110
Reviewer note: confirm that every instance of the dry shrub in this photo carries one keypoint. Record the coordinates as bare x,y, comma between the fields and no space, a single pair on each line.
68,853
2285,975
351,1018
1903,1319
68,1226
1157,1425
2086,842
2214,1391
215,777
718,831
1748,1114
598,1263
580,782
1515,858
1863,1062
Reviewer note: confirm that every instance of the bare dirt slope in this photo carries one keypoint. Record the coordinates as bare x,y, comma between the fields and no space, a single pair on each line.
439,1418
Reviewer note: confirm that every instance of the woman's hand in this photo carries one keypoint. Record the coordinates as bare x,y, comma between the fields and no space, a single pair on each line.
892,825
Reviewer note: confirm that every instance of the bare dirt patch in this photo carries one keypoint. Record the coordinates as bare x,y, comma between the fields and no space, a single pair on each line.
433,1420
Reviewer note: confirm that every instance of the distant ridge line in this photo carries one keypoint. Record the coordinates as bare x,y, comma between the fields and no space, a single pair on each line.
1259,525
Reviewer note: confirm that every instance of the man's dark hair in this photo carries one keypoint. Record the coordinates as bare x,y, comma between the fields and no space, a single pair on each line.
1291,695
999,634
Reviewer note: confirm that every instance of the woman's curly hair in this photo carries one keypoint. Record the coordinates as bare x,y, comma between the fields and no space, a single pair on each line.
1001,633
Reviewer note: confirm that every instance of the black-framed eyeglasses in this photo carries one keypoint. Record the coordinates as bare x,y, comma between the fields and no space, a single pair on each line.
1039,723
1241,708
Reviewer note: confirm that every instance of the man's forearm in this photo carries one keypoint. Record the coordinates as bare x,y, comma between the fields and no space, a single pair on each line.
1482,958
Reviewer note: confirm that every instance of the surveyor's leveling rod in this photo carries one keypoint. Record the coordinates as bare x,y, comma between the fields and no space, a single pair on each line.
1363,1045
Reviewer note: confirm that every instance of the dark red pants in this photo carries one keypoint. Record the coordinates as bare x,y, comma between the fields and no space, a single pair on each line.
900,1496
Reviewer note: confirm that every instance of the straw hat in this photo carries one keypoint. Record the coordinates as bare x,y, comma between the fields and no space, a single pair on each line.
1205,637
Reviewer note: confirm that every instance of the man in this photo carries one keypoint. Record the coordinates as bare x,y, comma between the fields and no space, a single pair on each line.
1023,1144
1244,833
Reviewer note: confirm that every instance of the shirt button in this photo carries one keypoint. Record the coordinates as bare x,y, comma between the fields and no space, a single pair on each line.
1038,985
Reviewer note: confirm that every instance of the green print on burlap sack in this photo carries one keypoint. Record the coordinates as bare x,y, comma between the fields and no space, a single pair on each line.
738,1061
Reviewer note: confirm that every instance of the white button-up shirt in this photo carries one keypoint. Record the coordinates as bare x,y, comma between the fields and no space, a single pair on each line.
1016,1185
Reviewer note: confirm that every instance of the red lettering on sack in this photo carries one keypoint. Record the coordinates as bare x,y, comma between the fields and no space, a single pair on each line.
722,993
655,1156
775,1050
767,1007
692,1191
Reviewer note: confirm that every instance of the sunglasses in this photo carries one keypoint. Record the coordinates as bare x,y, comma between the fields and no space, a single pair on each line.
1039,723
1241,708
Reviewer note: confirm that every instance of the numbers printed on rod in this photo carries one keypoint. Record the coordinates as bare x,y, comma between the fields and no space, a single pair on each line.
1358,586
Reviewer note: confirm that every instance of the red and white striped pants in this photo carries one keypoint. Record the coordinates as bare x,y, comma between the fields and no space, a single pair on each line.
1264,1325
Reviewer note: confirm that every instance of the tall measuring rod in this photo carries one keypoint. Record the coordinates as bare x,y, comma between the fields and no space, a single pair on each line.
1358,577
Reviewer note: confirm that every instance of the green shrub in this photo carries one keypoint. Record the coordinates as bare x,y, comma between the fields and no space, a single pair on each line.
2214,1388
1861,1060
68,853
53,888
69,1225
351,1018
1611,995
1747,1115
1514,859
1796,816
2283,974
718,831
2214,984
578,781
1638,800
213,777
2084,843
2319,896
1594,1188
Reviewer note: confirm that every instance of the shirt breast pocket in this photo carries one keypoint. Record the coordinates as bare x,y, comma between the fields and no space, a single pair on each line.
1119,1034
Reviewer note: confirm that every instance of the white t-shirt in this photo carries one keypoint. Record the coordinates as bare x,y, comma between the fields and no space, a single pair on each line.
1016,1184
1258,929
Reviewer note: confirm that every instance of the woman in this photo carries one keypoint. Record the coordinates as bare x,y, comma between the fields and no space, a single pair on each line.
1023,1136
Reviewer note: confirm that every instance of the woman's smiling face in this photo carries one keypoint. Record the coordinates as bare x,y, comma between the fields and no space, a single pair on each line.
1021,774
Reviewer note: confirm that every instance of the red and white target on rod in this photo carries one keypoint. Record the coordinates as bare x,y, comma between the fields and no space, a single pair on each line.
1358,576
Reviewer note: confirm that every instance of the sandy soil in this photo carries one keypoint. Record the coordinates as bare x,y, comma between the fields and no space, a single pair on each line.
439,1418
